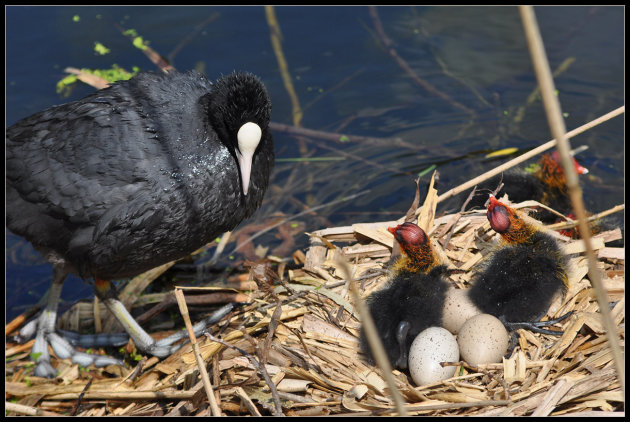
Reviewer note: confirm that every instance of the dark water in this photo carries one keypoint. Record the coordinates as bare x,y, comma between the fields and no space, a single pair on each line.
347,82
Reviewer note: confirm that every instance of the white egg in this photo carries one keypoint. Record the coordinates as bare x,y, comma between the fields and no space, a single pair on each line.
429,348
458,308
483,339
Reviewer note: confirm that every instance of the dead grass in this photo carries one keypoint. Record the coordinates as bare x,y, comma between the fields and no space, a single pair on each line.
313,356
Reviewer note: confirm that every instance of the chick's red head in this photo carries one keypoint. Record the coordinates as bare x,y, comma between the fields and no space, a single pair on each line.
555,156
415,244
508,223
409,234
499,215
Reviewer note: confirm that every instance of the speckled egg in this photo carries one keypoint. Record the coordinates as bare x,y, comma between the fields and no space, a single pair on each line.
458,309
482,339
429,348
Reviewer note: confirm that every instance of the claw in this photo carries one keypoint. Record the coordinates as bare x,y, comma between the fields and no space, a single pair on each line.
535,326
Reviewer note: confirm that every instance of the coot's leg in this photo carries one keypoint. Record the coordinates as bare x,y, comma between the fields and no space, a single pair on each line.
94,340
46,325
119,339
198,328
45,331
46,334
141,338
64,350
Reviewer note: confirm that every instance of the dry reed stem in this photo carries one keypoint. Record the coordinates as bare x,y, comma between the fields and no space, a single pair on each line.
317,342
374,341
181,301
293,217
276,42
556,123
594,217
27,410
526,156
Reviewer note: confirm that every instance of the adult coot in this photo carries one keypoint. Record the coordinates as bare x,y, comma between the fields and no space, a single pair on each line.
413,300
133,176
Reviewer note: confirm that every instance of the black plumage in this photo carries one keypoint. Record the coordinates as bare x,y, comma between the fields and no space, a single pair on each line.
412,301
137,174
413,298
519,280
140,173
547,185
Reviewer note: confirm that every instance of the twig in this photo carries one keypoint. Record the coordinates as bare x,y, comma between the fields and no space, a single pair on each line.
544,147
411,212
216,377
482,403
92,80
571,224
408,70
132,375
261,369
458,216
168,300
276,36
75,409
341,137
482,371
240,393
556,123
347,198
181,301
151,54
424,407
378,351
265,278
26,410
189,37
20,320
127,395
220,247
297,333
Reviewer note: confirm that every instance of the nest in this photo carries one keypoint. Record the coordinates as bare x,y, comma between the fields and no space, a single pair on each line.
294,349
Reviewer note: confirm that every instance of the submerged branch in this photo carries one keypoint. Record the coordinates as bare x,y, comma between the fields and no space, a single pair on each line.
405,66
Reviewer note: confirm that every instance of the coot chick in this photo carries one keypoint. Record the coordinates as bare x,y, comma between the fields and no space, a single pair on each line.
133,176
519,280
546,185
413,299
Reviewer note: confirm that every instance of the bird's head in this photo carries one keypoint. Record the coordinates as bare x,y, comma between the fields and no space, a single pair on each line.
239,110
508,222
552,173
416,247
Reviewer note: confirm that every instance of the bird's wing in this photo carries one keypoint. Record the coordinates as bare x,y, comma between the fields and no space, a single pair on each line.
77,160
